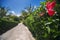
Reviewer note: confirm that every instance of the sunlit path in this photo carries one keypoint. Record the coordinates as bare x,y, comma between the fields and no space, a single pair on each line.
20,32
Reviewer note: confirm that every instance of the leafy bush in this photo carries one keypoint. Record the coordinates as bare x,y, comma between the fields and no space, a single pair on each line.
7,21
6,25
43,26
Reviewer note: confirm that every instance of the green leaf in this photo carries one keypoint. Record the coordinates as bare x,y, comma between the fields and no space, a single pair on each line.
48,23
48,28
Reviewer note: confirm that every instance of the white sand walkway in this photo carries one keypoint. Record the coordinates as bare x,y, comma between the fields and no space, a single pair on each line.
20,32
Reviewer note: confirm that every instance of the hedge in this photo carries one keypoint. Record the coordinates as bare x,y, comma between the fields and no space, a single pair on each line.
6,25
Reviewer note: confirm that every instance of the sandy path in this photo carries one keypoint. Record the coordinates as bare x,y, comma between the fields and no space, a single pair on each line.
20,32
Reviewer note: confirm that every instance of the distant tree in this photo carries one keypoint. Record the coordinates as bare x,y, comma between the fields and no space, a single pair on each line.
26,12
3,12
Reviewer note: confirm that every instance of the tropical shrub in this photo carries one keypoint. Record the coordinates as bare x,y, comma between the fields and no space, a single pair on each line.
45,25
6,25
7,21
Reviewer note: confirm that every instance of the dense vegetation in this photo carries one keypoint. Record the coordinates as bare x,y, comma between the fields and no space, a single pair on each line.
7,21
44,25
43,21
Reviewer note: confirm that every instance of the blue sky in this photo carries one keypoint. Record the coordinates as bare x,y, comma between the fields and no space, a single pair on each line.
18,5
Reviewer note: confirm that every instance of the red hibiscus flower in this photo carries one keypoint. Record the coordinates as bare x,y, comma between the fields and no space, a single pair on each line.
51,12
50,6
47,4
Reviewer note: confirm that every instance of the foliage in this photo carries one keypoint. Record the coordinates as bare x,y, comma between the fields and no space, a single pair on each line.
43,26
26,13
6,25
3,12
7,21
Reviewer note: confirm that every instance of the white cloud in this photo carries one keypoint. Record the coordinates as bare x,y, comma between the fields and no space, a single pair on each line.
19,14
13,13
35,6
26,10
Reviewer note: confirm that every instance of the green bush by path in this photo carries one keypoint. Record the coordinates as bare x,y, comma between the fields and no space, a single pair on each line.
7,21
6,25
43,26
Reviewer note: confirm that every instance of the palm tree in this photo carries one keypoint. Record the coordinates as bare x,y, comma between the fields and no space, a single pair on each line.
3,12
26,12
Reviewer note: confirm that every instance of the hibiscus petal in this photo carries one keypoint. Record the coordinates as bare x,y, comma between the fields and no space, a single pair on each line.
52,4
51,12
47,4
